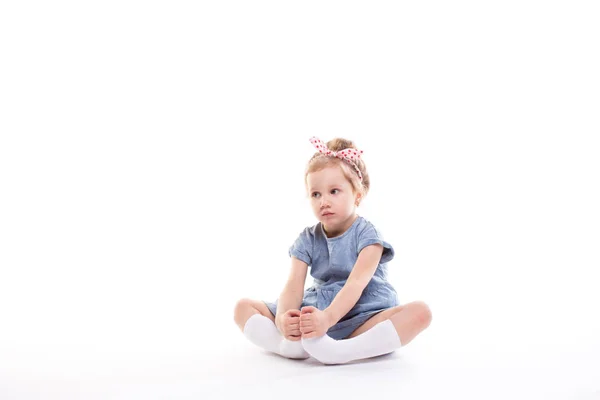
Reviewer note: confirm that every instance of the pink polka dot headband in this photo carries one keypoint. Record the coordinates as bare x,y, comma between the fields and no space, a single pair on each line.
348,155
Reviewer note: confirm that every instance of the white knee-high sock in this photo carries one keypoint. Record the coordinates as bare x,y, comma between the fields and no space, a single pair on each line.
380,339
261,331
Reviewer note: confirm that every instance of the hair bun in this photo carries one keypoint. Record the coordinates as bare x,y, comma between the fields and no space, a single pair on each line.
338,144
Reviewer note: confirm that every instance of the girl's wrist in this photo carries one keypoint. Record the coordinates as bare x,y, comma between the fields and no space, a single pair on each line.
331,321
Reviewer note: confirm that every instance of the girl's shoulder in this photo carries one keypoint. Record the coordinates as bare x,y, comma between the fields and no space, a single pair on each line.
311,232
367,228
364,224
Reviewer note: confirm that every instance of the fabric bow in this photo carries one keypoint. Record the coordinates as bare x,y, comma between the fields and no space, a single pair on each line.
348,155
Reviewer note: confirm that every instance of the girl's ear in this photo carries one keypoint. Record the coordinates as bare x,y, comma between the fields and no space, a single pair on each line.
357,200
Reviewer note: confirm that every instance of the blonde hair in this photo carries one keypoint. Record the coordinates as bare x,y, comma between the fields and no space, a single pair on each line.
319,161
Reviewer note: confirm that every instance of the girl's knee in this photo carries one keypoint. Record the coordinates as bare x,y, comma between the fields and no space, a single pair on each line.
241,308
422,313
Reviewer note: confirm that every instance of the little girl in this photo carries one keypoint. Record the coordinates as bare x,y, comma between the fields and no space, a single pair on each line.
351,311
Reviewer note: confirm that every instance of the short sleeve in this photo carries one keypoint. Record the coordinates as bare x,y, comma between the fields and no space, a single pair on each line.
302,247
370,235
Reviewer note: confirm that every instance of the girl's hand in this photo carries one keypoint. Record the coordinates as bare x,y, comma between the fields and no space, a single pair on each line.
313,322
288,324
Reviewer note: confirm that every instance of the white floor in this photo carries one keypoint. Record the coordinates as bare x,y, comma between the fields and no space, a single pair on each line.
428,368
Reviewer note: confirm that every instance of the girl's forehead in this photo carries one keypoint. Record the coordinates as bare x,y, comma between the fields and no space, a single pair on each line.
327,175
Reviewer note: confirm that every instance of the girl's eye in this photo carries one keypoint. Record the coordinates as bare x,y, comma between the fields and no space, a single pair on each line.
315,194
334,191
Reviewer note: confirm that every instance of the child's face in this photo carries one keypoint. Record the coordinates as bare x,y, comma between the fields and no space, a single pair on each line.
332,200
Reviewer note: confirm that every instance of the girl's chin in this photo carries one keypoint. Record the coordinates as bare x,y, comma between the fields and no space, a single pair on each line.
328,221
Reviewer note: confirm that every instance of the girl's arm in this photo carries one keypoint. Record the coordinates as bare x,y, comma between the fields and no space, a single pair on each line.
361,274
293,291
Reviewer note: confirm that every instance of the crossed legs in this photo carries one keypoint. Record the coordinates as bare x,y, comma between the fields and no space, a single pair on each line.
381,334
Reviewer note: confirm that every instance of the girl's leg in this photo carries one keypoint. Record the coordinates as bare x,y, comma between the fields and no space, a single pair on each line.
409,320
245,308
381,334
258,325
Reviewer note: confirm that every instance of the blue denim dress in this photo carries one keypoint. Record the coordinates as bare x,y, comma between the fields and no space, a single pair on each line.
331,260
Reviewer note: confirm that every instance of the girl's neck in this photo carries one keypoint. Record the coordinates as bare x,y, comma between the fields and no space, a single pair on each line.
347,225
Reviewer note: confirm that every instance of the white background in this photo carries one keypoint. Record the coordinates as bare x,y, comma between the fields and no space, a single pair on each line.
152,158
